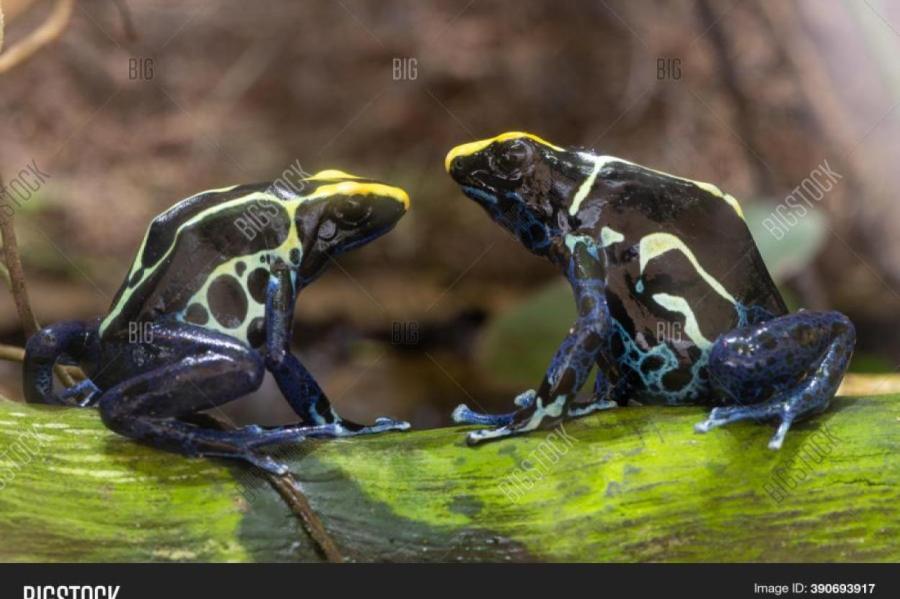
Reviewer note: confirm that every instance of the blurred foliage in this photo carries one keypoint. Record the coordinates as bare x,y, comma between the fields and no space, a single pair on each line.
517,345
239,91
796,250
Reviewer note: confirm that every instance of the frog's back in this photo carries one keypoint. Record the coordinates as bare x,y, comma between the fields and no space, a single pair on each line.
682,268
205,261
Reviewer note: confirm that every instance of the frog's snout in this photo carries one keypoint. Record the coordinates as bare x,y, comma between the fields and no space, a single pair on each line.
461,163
453,162
389,210
453,157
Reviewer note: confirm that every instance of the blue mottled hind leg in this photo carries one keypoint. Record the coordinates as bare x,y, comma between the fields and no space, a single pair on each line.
152,406
61,342
195,369
782,370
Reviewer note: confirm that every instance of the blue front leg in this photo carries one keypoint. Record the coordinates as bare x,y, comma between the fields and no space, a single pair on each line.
296,383
782,370
571,364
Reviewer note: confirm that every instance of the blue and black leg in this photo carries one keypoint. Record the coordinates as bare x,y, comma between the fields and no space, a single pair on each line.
181,371
605,397
188,369
567,373
599,401
297,385
62,342
781,370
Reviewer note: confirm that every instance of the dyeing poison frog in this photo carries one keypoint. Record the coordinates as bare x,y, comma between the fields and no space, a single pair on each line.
675,305
207,308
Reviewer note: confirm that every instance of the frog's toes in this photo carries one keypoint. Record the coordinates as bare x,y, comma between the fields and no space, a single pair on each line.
346,428
525,399
463,415
476,437
579,410
759,412
385,423
725,415
710,423
778,438
261,461
87,388
264,462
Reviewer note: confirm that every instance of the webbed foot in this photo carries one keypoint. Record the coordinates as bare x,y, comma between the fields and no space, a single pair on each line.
261,461
530,416
524,401
87,388
760,413
464,415
244,442
346,428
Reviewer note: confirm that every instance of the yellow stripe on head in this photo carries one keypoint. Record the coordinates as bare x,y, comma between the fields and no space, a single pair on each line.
476,146
352,188
331,173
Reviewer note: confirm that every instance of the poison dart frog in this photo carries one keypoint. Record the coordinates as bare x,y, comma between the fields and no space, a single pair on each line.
207,308
674,303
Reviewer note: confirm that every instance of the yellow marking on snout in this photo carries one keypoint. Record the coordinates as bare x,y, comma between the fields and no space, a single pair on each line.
475,146
331,173
351,188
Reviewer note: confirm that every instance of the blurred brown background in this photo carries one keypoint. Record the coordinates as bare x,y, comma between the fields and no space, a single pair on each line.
750,95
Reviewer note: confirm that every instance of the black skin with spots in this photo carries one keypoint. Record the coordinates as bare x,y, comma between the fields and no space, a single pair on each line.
227,301
701,274
149,386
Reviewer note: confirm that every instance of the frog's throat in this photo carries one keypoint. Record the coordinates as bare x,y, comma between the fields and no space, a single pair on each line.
476,146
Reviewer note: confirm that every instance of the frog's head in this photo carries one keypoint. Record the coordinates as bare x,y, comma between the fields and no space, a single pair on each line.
343,211
524,182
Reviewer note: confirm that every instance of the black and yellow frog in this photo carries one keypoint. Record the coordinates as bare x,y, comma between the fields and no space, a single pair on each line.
675,305
207,308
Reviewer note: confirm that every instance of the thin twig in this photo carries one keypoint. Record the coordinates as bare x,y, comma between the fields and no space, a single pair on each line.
14,353
290,492
16,275
48,31
288,489
127,22
17,279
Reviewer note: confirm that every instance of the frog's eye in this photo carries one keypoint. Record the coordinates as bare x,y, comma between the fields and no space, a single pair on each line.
351,212
513,156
